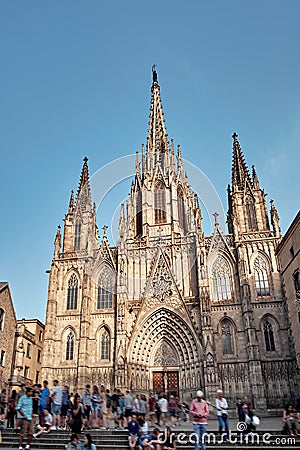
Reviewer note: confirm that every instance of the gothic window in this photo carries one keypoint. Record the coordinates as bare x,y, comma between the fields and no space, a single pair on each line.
139,215
227,338
77,235
181,212
2,313
221,279
261,277
105,290
160,215
269,336
72,292
251,214
70,346
105,341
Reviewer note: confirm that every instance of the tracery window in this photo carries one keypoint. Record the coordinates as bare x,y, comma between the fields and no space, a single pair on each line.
261,277
70,346
227,339
269,336
105,341
251,214
221,279
72,292
77,235
181,211
105,290
160,214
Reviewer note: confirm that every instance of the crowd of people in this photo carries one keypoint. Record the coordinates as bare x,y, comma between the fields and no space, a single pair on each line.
34,410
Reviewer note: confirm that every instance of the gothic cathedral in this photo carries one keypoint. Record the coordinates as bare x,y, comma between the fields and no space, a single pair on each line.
170,309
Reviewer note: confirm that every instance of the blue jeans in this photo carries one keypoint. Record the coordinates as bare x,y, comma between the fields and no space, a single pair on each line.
223,421
199,430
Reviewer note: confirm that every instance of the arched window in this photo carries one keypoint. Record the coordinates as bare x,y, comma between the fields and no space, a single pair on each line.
181,211
72,292
261,277
2,314
160,214
139,214
70,346
77,235
221,279
227,342
105,341
251,214
269,336
105,290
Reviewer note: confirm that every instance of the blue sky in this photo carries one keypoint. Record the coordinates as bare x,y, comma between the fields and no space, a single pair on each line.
75,80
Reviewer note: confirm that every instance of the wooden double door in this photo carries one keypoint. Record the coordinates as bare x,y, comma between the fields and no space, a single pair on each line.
167,382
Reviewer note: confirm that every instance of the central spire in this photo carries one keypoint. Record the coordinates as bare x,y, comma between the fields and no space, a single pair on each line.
157,135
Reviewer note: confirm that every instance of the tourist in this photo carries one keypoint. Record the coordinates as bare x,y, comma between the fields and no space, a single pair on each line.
290,420
143,406
11,409
163,405
115,407
48,420
24,411
66,406
143,430
95,404
239,408
20,394
246,417
222,413
104,407
199,412
172,406
77,416
74,443
87,402
36,398
128,406
152,441
3,401
88,442
133,431
45,397
57,402
152,408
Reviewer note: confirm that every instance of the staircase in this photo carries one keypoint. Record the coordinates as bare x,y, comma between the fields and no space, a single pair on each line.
117,439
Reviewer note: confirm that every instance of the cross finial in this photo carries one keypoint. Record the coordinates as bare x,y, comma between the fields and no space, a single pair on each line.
216,215
85,159
104,228
235,136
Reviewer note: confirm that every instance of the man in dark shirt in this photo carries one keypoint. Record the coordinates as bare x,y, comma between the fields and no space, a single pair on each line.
115,407
133,430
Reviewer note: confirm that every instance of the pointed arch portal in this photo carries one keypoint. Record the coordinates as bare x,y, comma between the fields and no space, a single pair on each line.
165,351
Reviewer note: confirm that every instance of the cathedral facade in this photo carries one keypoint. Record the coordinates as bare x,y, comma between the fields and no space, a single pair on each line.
170,309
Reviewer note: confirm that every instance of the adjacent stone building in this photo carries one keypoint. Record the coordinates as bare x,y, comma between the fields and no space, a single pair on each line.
7,333
168,308
28,343
288,252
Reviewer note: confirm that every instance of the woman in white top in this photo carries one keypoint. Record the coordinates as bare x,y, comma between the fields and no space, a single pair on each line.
222,412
